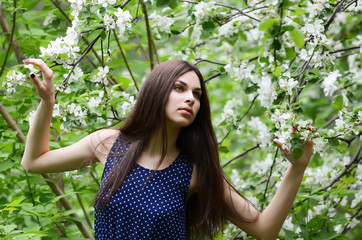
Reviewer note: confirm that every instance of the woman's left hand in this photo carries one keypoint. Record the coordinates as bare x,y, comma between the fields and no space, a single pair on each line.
302,161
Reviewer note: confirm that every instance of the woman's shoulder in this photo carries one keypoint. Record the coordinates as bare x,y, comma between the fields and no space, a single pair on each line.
102,141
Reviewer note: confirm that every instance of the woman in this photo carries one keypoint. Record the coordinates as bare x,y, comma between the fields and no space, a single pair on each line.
162,177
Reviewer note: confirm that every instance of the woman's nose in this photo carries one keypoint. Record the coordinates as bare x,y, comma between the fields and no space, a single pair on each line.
190,98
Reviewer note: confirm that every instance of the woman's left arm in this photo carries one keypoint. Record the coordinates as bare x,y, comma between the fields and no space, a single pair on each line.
269,222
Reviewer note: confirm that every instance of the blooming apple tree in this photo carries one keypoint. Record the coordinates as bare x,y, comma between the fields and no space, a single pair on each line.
270,66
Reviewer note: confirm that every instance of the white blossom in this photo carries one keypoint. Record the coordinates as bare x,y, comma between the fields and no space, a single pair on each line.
287,83
202,10
161,23
280,119
266,92
314,9
49,19
264,136
123,22
315,29
14,78
329,84
105,3
109,22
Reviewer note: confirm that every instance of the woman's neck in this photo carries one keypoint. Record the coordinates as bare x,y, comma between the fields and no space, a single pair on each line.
155,146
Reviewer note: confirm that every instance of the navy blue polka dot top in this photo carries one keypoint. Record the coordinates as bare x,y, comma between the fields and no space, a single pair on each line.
156,210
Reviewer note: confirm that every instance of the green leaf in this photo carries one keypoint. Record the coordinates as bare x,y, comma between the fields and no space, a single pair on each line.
162,3
173,3
290,53
296,152
223,149
297,37
251,89
338,103
268,23
334,142
208,26
5,165
278,71
15,202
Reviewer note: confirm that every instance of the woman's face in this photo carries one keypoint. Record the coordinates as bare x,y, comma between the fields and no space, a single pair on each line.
183,103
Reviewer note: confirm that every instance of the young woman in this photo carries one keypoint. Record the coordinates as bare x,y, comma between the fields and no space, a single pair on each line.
162,178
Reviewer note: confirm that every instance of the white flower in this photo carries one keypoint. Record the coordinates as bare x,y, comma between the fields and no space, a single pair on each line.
124,19
314,9
161,23
266,92
279,119
202,10
94,102
284,137
13,79
31,116
102,74
56,110
109,22
287,84
304,135
48,19
315,29
105,3
329,84
264,136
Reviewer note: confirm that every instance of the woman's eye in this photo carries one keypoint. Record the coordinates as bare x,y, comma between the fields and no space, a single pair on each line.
178,88
197,95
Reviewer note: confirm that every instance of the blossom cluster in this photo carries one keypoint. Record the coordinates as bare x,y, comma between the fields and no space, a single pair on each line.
161,24
14,78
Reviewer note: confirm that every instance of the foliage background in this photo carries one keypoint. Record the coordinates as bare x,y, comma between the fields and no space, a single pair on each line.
268,65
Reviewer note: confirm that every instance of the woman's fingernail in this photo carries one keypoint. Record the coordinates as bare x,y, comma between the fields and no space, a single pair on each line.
32,75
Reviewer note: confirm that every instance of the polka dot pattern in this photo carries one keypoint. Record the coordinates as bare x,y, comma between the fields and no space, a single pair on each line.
154,211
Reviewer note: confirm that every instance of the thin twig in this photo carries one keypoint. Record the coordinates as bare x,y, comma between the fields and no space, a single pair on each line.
345,49
81,204
86,51
11,39
240,155
149,35
250,106
354,160
125,60
270,174
199,60
331,18
213,76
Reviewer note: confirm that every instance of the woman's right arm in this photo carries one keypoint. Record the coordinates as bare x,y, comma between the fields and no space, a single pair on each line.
37,156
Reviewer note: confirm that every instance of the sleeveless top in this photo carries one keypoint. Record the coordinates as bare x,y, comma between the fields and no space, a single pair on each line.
153,211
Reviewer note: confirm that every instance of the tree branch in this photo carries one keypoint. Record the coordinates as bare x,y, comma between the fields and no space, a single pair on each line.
270,174
199,60
331,18
125,60
149,35
345,49
354,160
10,36
213,76
86,51
240,155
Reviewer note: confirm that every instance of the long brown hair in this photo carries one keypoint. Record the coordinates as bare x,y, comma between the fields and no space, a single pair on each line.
206,210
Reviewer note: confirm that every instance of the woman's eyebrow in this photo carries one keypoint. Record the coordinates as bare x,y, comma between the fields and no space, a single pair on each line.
183,83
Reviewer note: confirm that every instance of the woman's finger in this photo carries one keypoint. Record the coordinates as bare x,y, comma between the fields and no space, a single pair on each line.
46,71
35,80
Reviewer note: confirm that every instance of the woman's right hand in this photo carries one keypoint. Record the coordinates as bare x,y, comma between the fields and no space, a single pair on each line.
44,88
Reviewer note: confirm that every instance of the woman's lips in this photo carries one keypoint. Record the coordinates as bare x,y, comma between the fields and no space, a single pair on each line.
187,111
